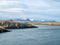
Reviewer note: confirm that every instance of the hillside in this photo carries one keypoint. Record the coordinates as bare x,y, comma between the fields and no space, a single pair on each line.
45,23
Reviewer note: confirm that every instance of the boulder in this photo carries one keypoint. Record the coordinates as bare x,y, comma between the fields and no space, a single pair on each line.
4,30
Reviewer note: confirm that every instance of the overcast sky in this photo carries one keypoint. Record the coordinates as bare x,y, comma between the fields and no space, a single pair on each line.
40,9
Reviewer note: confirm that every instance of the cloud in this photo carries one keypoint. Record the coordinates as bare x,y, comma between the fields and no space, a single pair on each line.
7,2
12,10
31,8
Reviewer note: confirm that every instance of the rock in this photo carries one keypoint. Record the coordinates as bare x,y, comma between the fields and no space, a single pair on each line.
16,25
34,27
4,30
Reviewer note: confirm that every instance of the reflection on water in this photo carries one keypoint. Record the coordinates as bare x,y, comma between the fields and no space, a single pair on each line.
44,35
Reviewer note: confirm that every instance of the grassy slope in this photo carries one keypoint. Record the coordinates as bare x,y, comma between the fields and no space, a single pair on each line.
46,23
40,23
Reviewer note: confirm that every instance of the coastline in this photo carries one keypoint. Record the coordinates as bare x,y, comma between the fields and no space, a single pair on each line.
4,25
45,23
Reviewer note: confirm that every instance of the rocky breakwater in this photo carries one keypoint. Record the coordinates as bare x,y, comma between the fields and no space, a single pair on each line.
16,25
4,25
2,29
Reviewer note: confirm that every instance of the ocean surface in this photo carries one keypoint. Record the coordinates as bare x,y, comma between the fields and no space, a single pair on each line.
43,35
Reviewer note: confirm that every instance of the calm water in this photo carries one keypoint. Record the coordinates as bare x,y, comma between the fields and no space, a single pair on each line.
44,35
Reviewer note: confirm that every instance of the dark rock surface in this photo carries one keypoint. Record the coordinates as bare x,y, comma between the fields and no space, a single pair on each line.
4,30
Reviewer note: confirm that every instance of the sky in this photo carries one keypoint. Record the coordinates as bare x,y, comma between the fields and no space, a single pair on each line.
37,9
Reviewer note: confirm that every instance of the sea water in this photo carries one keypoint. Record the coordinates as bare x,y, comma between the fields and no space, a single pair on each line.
43,35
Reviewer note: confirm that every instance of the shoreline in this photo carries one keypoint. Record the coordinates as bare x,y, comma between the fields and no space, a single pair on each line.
46,23
4,25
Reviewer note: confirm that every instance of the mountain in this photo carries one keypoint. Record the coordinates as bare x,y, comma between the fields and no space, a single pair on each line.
23,19
32,20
